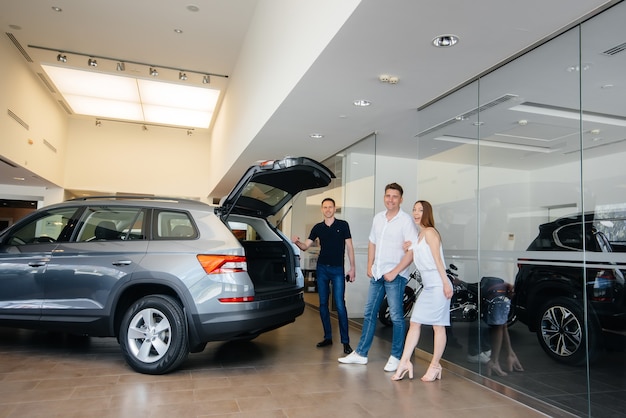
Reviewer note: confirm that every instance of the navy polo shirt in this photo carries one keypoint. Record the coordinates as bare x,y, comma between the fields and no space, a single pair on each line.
332,241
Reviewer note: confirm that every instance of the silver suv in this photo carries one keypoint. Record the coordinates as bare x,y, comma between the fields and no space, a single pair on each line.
164,276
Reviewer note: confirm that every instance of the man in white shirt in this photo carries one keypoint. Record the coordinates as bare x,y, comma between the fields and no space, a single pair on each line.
387,267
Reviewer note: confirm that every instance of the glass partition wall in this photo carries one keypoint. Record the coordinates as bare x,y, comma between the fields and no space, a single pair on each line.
525,170
530,190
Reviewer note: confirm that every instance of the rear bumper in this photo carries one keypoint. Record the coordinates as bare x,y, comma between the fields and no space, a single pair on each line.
249,319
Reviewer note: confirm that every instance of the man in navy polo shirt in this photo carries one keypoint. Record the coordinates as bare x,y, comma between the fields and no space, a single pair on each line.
334,237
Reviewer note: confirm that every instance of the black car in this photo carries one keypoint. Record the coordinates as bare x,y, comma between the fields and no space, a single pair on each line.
571,291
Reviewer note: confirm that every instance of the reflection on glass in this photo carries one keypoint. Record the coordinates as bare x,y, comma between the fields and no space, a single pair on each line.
525,166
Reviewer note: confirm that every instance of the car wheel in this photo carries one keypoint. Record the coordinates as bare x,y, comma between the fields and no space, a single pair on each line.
153,335
561,331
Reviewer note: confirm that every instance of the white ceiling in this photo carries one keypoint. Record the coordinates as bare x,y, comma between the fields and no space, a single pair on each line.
381,37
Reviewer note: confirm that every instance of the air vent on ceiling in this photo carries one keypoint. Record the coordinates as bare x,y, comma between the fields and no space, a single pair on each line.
49,145
17,119
616,49
502,99
19,47
10,164
64,106
46,82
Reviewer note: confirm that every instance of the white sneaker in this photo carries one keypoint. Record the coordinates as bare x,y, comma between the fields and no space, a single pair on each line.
480,358
392,364
353,358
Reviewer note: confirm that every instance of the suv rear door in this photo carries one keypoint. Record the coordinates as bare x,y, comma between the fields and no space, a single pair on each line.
269,185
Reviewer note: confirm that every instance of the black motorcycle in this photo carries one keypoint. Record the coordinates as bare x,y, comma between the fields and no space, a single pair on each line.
463,306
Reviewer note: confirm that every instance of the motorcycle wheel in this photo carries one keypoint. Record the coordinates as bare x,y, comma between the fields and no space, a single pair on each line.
408,300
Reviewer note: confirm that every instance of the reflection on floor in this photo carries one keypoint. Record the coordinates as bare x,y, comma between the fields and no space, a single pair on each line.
279,374
554,383
544,380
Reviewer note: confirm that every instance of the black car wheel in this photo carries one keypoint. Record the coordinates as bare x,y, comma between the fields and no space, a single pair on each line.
153,335
407,304
561,331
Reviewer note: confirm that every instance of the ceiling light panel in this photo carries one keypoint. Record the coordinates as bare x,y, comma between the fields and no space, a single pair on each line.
176,95
92,84
128,98
176,116
105,108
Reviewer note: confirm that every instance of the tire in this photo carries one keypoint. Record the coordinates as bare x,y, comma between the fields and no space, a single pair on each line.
160,346
408,300
561,332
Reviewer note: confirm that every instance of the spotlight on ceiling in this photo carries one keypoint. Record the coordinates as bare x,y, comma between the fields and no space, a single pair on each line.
189,132
206,79
92,62
98,123
182,76
144,128
154,72
445,41
121,66
61,58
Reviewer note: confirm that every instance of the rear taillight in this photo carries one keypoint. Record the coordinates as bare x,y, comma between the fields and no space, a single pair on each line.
603,286
237,300
217,264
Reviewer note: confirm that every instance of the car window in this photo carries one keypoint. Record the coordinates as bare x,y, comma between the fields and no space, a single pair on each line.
174,225
244,231
50,226
104,223
570,236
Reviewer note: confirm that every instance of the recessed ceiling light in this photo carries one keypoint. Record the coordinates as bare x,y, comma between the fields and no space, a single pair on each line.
193,8
445,41
57,9
362,103
178,30
316,136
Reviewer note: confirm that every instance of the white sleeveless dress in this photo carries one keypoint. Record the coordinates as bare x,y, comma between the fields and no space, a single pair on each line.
432,307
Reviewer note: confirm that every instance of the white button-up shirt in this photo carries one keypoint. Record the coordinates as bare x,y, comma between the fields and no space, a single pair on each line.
389,237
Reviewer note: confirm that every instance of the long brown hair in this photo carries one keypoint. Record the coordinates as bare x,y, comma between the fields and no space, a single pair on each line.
427,217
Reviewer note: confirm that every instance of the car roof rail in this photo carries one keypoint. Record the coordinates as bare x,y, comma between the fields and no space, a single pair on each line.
136,197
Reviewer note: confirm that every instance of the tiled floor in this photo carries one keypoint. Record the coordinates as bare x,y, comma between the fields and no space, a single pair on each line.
279,374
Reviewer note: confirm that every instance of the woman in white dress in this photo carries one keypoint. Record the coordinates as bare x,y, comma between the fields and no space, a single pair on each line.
433,304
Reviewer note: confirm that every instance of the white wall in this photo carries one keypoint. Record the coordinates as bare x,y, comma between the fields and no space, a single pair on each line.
24,95
273,59
120,157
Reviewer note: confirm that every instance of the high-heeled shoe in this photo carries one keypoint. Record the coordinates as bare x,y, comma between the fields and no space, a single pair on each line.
493,367
399,375
513,364
433,373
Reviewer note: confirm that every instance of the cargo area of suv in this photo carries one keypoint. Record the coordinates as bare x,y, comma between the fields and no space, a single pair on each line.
162,275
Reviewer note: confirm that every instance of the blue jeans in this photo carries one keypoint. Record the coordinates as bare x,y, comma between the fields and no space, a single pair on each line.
325,276
395,294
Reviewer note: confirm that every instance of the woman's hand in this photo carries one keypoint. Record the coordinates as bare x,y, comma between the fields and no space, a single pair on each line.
447,289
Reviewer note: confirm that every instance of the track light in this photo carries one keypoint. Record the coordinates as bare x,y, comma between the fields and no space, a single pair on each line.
189,132
61,58
154,72
121,66
92,62
182,76
98,123
206,79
